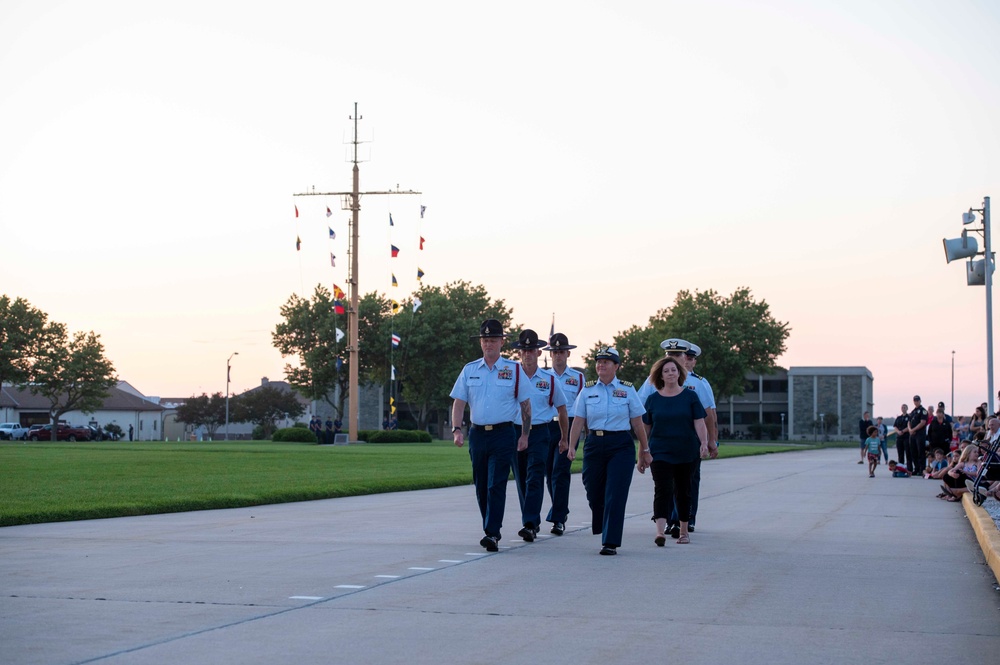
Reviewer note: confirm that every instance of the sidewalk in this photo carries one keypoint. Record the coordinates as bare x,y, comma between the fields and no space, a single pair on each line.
798,558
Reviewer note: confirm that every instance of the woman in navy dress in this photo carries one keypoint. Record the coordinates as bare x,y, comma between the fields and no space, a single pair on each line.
675,427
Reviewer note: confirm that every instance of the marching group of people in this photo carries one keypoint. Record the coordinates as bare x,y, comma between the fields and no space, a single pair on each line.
532,418
932,444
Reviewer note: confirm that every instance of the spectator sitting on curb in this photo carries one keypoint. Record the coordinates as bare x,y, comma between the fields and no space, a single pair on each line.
938,466
967,466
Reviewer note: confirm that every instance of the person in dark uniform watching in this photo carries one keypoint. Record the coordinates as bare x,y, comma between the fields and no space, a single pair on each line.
609,408
863,426
495,390
328,434
548,403
558,466
916,448
901,427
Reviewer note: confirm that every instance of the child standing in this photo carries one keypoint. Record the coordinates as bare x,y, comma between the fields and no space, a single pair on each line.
874,448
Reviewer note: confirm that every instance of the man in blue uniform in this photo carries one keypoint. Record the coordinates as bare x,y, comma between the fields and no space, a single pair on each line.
548,405
901,427
495,390
704,390
557,464
609,409
918,438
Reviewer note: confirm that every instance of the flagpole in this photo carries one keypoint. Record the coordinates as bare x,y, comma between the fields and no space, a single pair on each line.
353,198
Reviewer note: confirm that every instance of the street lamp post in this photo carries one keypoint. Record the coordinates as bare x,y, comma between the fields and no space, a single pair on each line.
978,272
235,353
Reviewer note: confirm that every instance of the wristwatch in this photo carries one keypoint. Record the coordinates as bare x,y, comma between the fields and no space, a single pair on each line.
456,429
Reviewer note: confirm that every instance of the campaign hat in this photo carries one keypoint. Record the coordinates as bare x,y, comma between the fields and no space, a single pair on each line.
490,328
528,339
559,342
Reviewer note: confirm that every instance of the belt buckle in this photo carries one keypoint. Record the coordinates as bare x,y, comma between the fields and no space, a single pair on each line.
488,428
599,432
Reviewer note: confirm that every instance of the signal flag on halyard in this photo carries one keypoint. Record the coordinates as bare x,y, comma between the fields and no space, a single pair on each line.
296,211
421,242
298,244
394,250
420,274
333,260
393,372
328,211
394,282
392,406
416,304
338,293
390,220
395,306
340,334
422,209
338,307
332,233
395,339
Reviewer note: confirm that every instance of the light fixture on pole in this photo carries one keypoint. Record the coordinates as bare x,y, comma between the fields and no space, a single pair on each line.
235,353
979,272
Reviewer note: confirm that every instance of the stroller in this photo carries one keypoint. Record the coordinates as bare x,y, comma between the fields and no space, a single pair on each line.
989,469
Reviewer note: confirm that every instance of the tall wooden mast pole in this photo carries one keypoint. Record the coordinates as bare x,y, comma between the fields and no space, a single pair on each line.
354,404
353,350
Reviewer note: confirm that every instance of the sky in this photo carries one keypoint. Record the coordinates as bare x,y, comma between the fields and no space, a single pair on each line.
580,160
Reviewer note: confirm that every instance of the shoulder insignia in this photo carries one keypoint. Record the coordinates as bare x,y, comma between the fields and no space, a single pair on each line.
697,376
627,383
591,384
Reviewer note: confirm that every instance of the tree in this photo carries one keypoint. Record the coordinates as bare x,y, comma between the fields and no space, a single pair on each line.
737,335
436,343
264,406
208,411
309,331
21,327
71,374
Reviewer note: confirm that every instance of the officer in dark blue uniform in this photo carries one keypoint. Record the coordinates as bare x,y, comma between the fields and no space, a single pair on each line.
548,402
901,426
916,449
558,467
609,409
496,391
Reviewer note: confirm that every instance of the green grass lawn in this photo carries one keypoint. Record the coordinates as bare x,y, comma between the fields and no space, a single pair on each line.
51,482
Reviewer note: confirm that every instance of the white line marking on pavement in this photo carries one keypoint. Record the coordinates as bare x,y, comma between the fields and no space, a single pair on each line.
475,554
389,577
349,586
418,568
450,561
305,597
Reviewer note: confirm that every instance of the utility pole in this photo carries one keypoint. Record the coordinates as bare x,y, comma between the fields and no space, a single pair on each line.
352,201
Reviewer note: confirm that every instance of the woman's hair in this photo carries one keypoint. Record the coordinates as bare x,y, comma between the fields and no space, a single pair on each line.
967,453
980,412
656,374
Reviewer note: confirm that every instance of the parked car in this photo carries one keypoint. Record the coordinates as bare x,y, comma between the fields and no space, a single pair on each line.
63,433
98,434
13,431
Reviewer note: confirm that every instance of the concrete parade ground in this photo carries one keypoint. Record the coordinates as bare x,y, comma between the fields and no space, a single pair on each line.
798,558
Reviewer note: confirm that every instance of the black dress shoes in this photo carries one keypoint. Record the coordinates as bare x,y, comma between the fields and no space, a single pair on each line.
558,528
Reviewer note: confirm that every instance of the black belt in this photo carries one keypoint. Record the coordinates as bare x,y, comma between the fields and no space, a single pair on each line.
489,428
606,432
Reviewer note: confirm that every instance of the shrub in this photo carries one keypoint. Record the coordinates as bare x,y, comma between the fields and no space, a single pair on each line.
295,434
399,436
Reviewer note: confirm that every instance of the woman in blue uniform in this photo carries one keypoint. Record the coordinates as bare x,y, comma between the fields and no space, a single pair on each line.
675,424
610,410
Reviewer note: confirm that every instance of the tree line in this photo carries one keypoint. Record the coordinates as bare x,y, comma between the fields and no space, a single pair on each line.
71,372
737,334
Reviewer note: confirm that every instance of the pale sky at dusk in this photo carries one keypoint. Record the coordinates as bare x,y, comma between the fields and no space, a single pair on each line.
580,158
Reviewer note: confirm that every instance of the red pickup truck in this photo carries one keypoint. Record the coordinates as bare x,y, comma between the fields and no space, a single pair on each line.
63,433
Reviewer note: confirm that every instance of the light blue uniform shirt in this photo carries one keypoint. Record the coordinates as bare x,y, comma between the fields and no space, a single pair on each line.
493,395
544,387
572,383
693,382
608,407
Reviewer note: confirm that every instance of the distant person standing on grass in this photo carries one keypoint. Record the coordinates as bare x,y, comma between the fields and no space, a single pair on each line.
130,431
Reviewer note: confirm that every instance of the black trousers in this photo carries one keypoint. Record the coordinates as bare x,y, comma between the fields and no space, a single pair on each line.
902,441
917,449
672,483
